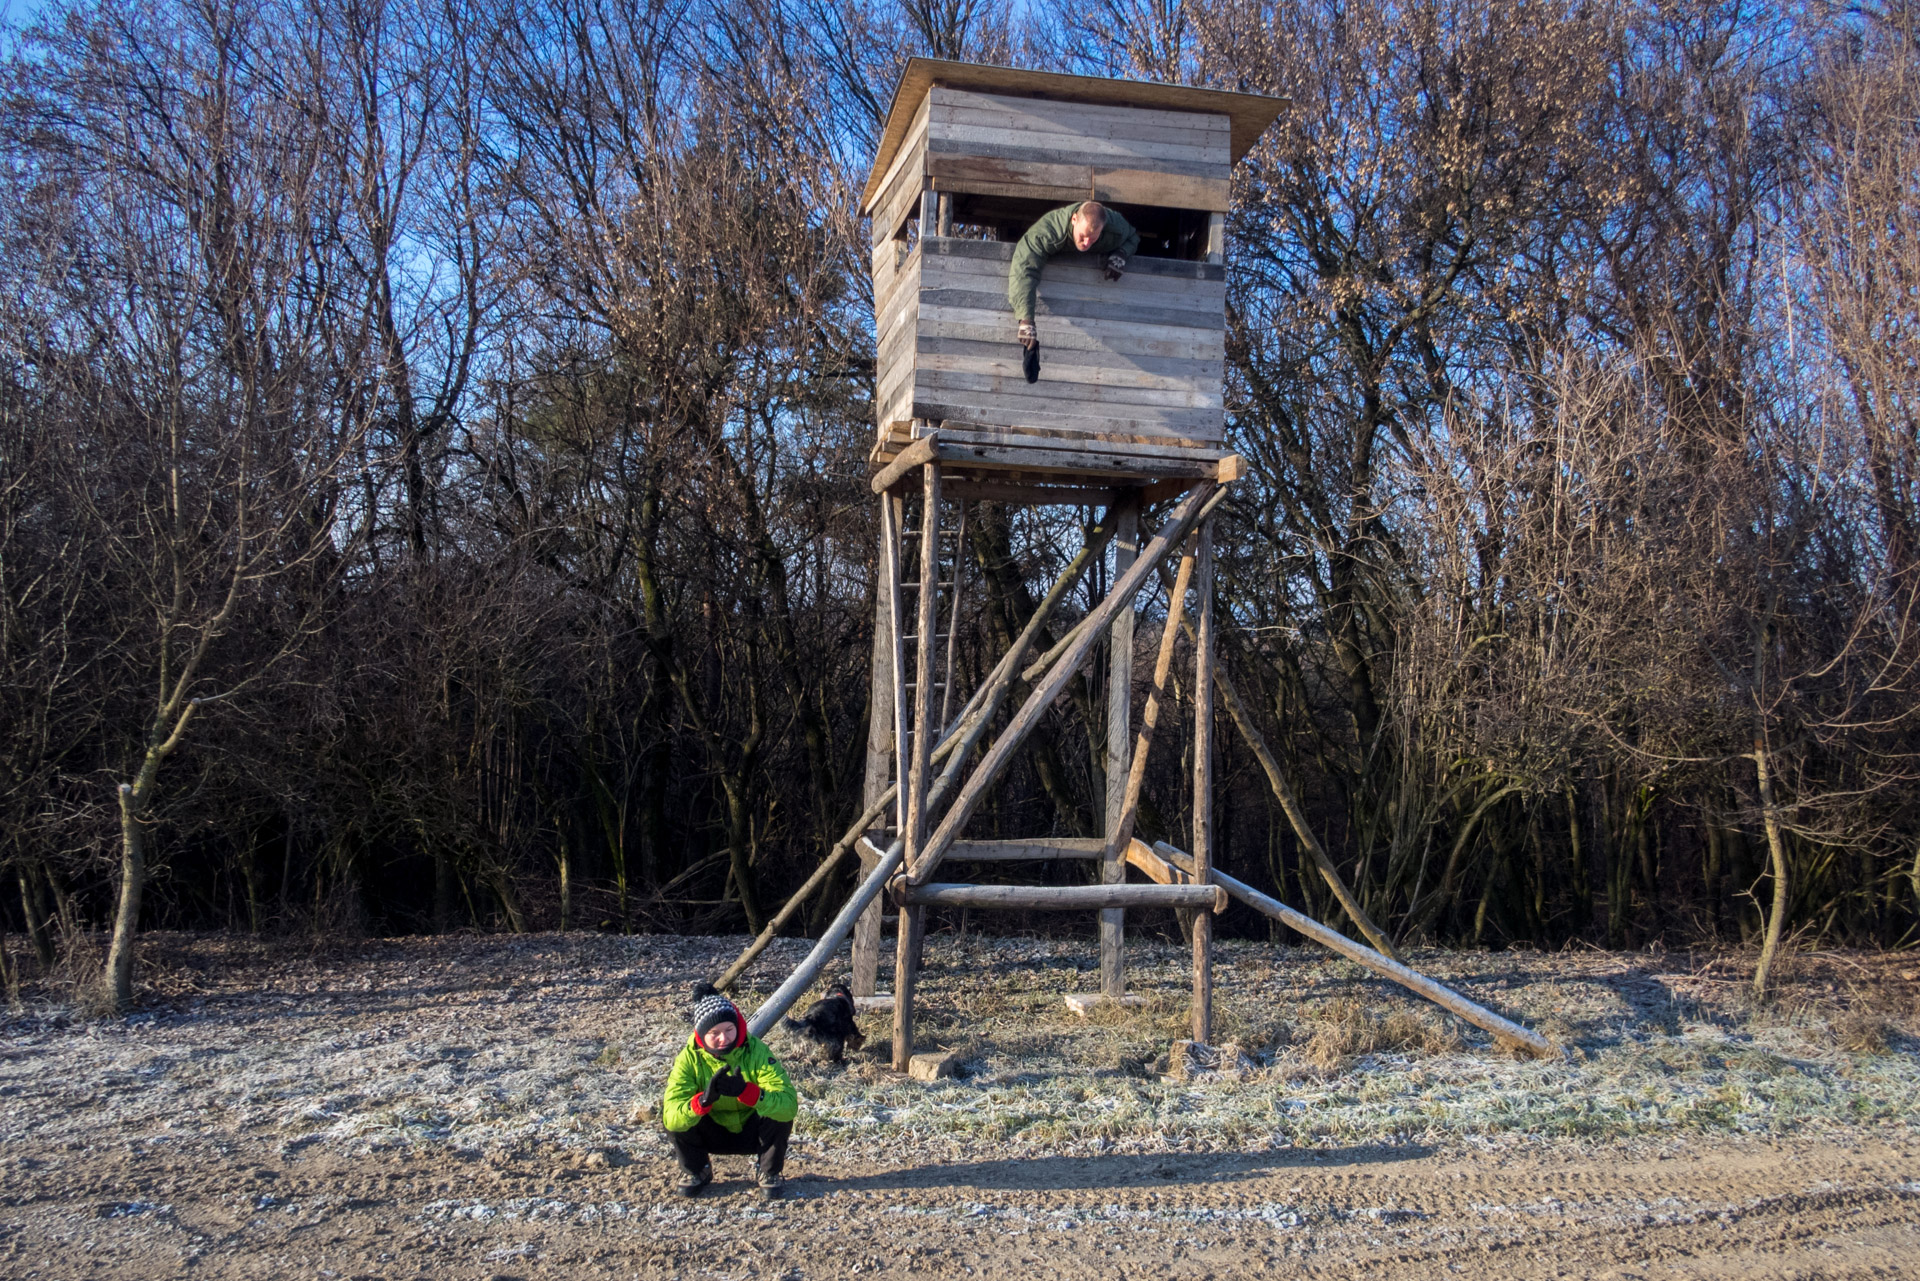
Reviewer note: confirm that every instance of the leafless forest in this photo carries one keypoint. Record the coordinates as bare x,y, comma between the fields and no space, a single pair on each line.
433,463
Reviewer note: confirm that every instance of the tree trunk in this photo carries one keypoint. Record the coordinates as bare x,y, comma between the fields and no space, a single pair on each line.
509,902
126,921
34,909
443,887
1777,851
740,850
566,876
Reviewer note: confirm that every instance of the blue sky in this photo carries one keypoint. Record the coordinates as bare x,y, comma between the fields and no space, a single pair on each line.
18,12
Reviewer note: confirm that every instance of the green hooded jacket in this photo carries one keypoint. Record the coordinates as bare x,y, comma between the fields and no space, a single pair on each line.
752,1059
1053,234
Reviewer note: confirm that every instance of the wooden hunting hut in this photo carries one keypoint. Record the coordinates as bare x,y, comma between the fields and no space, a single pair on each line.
1131,385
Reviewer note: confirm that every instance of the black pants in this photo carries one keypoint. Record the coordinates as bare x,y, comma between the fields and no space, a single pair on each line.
759,1137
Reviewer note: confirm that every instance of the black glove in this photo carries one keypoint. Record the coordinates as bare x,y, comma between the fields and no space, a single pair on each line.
1030,355
1116,264
726,1083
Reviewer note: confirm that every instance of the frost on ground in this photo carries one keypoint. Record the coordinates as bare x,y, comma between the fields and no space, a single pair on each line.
562,1042
493,1099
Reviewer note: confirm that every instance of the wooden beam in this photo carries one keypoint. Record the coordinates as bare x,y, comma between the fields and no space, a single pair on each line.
1039,180
1085,466
1202,1011
1205,899
906,955
918,454
1007,491
808,970
1142,856
1504,1030
1072,637
953,617
1014,851
1113,871
1050,686
892,519
855,838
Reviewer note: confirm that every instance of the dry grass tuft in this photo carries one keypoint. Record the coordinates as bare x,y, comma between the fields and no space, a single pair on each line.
1860,1031
1349,1029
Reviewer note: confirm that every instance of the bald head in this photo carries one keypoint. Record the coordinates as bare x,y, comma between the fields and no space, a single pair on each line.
1089,220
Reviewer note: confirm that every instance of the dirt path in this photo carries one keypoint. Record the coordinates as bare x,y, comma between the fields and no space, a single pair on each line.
1702,1209
479,1108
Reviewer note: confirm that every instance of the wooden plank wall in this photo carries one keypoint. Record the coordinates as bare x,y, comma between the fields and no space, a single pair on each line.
1131,367
896,324
896,275
1040,131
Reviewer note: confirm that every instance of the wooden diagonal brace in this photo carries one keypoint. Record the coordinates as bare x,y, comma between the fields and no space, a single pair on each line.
1291,807
1090,631
1504,1030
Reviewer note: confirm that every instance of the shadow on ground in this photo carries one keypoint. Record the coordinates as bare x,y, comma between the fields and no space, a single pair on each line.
1059,1173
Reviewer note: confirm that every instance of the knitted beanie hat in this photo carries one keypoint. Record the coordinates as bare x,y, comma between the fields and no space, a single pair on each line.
710,1008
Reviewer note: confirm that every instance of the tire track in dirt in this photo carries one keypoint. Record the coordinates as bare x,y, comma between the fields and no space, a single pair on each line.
1712,1210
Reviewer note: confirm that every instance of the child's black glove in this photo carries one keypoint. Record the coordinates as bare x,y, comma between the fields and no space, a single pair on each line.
726,1084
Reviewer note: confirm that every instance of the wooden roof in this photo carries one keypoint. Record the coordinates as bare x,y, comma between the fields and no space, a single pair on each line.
1250,113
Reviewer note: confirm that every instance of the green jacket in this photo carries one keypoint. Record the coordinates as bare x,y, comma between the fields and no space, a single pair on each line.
753,1060
1053,234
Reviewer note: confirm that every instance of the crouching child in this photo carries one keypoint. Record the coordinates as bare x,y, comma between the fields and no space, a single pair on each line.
727,1095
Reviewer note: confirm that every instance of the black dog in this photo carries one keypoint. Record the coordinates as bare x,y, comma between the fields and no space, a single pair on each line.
829,1022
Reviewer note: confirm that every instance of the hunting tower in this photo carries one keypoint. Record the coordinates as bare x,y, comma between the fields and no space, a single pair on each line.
1127,415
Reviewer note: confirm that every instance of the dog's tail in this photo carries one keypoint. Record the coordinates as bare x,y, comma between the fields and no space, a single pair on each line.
805,1027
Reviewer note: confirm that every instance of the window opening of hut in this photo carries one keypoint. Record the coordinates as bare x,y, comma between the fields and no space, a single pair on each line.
1179,234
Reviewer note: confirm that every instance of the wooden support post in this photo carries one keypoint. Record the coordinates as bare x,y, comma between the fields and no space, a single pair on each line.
1113,868
1203,783
866,934
906,956
1118,839
953,618
893,515
1216,237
